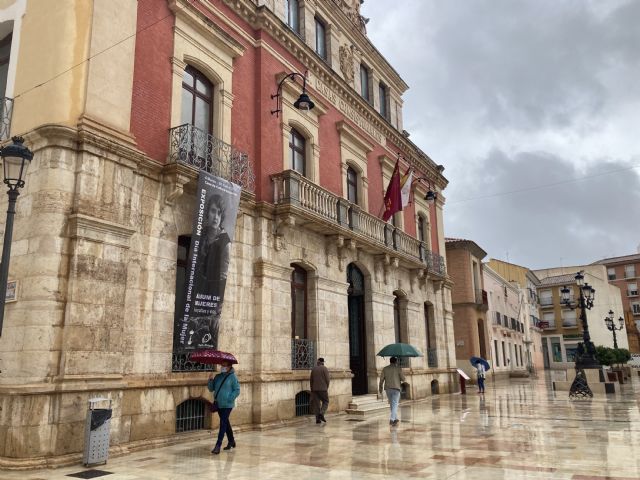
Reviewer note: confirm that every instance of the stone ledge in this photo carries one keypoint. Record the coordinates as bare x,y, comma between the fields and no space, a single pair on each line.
99,231
116,382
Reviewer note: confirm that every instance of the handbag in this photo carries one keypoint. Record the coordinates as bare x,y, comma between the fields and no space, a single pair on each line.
214,406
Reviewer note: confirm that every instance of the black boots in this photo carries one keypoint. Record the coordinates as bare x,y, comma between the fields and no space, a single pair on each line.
230,445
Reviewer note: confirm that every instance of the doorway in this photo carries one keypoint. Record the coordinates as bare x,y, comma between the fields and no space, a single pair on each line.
357,332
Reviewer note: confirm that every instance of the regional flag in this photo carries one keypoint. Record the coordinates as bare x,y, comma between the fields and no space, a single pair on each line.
393,197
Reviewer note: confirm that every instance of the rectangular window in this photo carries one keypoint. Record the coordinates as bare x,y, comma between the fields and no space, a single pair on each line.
635,308
556,350
504,356
571,349
495,347
384,111
632,289
364,83
293,15
629,271
498,316
321,39
549,319
505,321
546,297
520,348
569,319
611,273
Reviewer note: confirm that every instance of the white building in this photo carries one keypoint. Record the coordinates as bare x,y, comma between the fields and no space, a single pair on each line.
562,326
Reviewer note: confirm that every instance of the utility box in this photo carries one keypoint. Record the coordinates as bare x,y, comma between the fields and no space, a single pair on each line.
96,432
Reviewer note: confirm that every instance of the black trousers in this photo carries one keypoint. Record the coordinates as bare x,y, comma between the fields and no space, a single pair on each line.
320,401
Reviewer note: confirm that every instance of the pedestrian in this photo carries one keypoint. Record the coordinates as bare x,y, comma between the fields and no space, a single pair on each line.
391,379
226,389
480,370
319,383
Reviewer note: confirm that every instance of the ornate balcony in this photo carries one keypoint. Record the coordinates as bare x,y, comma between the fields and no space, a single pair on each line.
194,147
323,211
6,112
303,354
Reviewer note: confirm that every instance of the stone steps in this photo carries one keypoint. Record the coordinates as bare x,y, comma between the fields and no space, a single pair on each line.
363,405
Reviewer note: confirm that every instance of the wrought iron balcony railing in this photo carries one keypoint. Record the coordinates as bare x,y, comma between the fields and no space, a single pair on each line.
191,146
303,354
180,363
432,357
323,207
6,112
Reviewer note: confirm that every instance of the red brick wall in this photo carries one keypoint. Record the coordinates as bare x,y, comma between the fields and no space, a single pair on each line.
151,99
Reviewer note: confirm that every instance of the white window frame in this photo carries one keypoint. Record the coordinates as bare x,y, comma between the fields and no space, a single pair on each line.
626,268
632,289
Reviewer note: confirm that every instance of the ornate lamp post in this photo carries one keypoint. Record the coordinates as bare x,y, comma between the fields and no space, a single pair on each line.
15,160
302,103
586,357
609,321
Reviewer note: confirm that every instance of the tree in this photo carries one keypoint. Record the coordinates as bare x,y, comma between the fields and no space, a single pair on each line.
611,356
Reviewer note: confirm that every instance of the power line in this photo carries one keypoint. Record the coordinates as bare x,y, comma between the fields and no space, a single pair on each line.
99,53
546,185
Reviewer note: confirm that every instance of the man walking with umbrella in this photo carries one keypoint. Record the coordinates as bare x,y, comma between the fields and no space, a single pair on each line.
391,380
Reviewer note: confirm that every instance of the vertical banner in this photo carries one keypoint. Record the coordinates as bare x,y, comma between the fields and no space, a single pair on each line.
217,202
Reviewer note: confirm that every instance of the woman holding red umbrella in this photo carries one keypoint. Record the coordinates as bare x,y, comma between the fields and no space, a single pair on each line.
226,389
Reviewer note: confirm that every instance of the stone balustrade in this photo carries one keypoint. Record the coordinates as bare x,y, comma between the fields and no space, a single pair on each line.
299,195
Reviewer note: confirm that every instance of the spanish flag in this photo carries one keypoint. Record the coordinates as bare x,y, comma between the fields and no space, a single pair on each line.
393,197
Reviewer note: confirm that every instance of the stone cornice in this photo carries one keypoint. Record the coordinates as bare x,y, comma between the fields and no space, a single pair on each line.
345,129
98,230
263,18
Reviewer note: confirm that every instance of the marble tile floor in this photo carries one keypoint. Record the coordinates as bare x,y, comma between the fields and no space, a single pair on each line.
518,430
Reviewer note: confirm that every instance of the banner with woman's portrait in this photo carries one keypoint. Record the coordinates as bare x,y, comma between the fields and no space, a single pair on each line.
217,202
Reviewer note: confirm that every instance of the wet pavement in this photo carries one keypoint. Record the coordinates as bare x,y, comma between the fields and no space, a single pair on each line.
518,430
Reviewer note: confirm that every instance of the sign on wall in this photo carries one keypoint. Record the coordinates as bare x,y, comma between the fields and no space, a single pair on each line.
217,202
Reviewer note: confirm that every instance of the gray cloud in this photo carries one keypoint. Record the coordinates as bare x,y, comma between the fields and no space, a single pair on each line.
513,94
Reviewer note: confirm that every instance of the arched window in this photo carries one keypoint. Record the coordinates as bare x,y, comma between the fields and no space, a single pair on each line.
352,185
197,100
299,303
297,144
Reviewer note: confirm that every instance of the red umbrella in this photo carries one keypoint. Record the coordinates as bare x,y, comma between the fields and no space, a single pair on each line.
212,357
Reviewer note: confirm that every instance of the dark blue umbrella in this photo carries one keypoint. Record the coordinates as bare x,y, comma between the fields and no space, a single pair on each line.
476,360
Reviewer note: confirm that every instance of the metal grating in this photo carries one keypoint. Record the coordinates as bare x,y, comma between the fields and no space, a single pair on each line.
90,474
303,355
190,415
180,363
6,112
303,404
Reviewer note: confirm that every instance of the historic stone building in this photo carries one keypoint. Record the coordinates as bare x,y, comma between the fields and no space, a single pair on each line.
122,104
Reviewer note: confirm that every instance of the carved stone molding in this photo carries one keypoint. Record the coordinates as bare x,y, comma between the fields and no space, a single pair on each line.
282,224
98,230
346,62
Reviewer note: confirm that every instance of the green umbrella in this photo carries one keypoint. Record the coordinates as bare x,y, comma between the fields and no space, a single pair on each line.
399,350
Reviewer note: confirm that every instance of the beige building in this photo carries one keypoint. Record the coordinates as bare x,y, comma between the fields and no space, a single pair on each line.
123,103
562,329
470,301
507,333
527,283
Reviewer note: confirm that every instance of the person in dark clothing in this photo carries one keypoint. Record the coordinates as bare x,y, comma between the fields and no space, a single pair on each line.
226,389
319,383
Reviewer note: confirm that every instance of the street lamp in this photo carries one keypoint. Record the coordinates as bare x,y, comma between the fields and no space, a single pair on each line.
15,160
302,103
586,357
610,322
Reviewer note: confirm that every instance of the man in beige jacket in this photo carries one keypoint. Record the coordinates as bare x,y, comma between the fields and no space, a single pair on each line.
391,379
319,383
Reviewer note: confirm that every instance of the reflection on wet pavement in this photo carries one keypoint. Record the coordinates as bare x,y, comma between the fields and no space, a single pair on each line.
518,430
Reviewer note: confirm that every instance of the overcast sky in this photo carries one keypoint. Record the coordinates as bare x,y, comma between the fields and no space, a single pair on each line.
536,97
